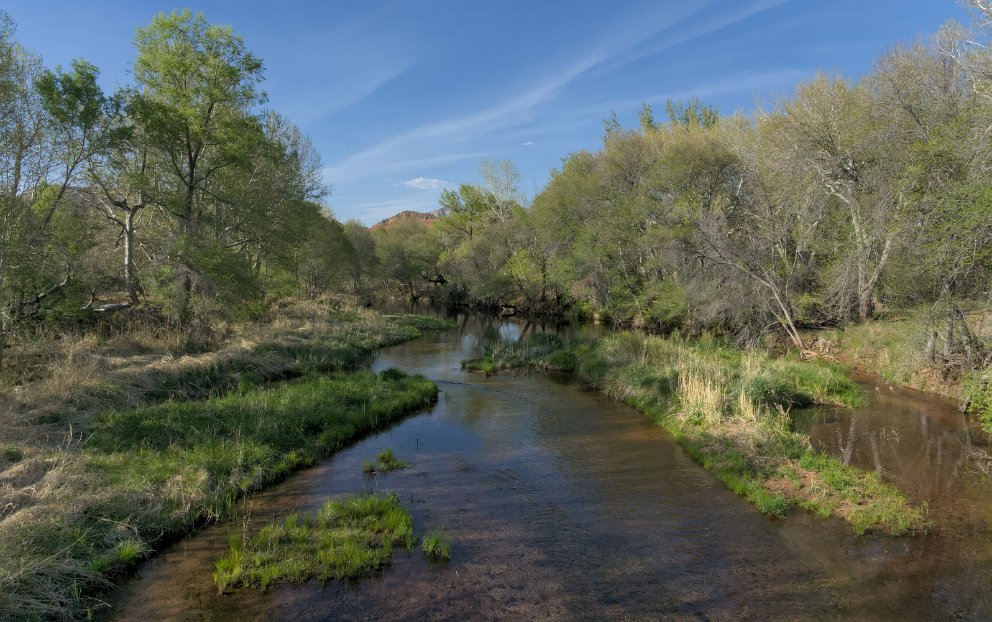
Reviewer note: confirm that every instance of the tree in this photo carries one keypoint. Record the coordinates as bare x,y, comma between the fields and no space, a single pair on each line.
98,135
365,263
834,131
47,129
560,215
927,94
325,258
465,210
501,180
268,203
691,113
120,173
752,223
197,86
407,253
646,118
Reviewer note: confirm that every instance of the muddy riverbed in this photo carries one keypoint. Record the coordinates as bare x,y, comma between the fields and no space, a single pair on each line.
561,504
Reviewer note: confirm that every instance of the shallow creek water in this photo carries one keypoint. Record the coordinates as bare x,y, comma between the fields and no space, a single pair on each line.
563,505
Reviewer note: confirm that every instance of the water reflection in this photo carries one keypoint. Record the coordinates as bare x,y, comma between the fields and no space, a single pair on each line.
921,444
563,505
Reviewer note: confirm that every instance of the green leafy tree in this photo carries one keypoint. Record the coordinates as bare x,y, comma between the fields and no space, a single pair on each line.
691,113
197,88
48,128
365,265
835,132
407,254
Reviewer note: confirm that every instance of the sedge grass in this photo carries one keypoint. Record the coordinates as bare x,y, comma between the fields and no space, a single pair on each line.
436,546
538,351
387,461
346,539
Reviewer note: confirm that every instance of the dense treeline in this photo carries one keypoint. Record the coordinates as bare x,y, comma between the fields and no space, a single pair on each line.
844,201
179,191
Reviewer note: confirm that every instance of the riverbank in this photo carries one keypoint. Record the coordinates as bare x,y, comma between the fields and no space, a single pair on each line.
893,350
124,445
904,352
730,410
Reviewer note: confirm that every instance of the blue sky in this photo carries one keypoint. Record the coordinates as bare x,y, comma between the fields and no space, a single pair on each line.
405,98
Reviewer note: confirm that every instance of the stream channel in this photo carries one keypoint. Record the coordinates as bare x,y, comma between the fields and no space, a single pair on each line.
564,505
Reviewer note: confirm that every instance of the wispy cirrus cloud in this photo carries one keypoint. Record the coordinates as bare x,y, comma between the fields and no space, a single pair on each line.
400,163
715,87
629,38
346,92
679,35
356,60
423,183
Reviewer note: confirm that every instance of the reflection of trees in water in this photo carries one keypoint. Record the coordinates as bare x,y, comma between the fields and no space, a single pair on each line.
916,453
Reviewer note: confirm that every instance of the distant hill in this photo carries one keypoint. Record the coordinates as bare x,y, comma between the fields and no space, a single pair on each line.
425,217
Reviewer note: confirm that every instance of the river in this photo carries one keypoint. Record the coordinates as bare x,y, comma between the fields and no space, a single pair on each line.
563,505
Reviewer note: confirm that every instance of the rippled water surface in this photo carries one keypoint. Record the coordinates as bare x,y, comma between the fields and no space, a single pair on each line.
563,505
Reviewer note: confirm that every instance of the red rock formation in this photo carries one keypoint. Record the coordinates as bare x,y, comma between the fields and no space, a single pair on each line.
427,218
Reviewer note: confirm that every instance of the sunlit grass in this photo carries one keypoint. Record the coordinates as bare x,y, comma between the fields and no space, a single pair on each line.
892,349
385,462
436,546
350,538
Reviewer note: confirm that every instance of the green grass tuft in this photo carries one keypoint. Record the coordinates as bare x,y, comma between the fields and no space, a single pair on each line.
389,462
12,453
436,546
422,322
385,462
537,351
346,539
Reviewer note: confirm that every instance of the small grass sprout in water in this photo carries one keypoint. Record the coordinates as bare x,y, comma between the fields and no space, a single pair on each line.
436,546
389,462
368,467
346,539
385,462
538,351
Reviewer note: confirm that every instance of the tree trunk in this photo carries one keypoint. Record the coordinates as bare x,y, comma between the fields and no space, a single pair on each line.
3,339
972,346
864,306
129,279
184,290
544,281
949,338
785,318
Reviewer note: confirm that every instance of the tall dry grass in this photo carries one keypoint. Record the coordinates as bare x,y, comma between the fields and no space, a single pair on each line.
67,518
